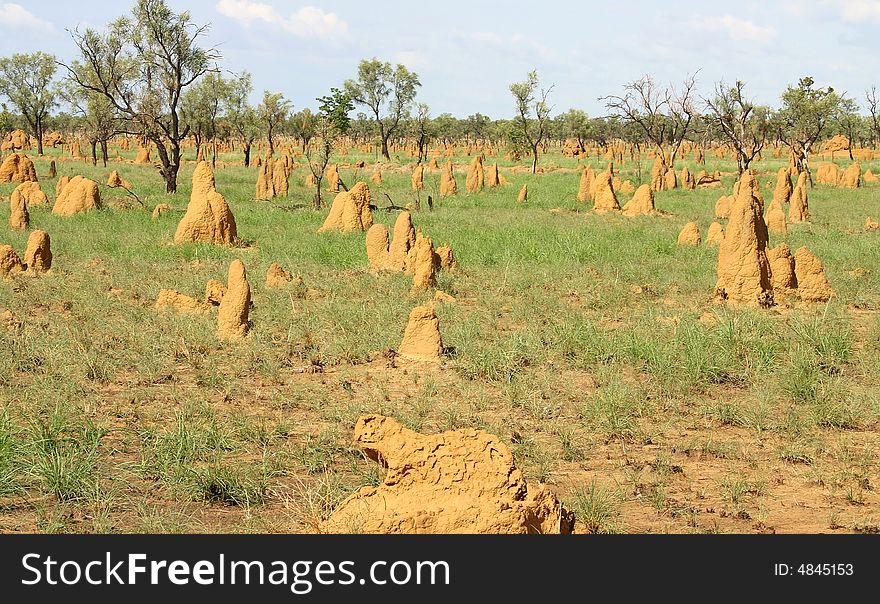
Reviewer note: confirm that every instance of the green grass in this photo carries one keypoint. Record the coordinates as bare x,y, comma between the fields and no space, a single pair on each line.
576,339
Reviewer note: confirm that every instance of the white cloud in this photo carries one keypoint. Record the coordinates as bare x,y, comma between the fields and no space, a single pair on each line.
739,30
857,10
307,22
15,15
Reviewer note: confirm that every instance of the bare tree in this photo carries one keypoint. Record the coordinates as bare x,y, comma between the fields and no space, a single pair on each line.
142,64
532,113
664,115
874,110
744,124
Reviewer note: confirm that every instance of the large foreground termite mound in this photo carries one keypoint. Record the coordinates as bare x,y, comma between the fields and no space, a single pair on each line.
79,195
350,211
462,481
208,218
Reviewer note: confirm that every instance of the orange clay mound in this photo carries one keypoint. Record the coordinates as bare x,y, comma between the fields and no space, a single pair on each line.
743,267
461,481
208,218
350,211
812,285
689,235
640,203
78,195
38,253
232,316
421,339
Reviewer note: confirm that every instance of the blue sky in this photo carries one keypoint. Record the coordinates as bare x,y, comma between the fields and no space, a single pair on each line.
467,53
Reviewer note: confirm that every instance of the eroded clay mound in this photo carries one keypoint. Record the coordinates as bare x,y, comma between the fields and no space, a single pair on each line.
170,299
722,206
62,182
19,217
523,194
404,239
870,177
38,253
18,167
9,260
444,258
265,188
689,235
715,234
232,316
688,182
799,209
782,192
743,267
31,193
417,181
350,211
448,186
605,199
332,179
421,339
377,246
214,292
782,269
115,180
462,481
475,177
277,275
586,184
640,203
492,177
208,218
810,273
775,219
828,174
79,195
422,262
852,176
160,209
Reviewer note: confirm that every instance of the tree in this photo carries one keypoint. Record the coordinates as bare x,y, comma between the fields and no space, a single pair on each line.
576,124
26,80
272,111
240,117
664,117
532,119
475,126
200,107
142,64
98,117
303,125
422,130
387,92
332,121
849,122
742,123
805,117
874,110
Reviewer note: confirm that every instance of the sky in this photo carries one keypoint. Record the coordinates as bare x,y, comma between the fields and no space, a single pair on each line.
467,53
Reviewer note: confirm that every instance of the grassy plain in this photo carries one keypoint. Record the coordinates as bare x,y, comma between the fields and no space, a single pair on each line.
575,338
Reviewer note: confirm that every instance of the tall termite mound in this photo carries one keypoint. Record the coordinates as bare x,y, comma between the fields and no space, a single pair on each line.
38,253
782,193
715,234
523,194
799,209
448,186
492,177
332,179
462,481
641,203
19,217
475,177
743,267
115,180
852,176
418,178
421,338
208,218
775,218
605,199
585,186
350,211
422,263
688,182
782,270
18,167
232,316
79,195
